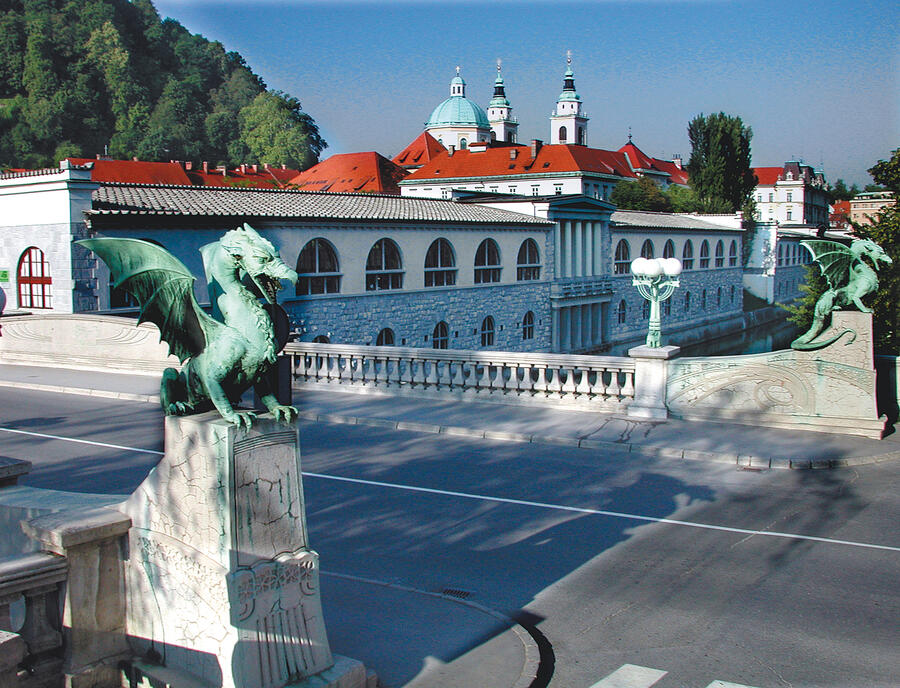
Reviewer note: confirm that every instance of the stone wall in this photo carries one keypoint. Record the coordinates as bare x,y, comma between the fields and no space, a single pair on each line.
412,315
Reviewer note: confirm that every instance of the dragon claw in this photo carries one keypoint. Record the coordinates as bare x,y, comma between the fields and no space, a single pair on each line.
285,415
243,419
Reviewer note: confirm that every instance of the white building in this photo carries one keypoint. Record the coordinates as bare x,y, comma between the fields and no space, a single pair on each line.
458,121
791,195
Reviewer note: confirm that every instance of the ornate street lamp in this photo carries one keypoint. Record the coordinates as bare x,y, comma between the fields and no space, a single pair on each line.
655,279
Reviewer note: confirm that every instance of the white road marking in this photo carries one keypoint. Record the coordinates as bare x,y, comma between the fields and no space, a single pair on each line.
505,500
91,442
630,676
602,512
726,684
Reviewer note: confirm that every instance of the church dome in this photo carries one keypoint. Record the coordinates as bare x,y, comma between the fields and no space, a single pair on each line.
458,110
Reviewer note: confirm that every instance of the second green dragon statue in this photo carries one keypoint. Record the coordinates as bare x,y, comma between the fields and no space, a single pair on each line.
226,352
849,279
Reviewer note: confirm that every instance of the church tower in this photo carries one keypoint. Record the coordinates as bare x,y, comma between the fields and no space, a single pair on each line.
458,121
503,125
568,123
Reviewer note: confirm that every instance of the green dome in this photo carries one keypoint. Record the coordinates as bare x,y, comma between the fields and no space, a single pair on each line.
457,111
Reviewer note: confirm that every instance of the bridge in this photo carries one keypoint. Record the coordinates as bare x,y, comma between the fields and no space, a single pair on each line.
519,527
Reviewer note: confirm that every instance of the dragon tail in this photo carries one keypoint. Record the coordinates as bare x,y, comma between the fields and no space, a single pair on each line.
811,346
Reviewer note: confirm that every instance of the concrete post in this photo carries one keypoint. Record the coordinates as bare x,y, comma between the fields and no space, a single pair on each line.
94,613
650,377
12,651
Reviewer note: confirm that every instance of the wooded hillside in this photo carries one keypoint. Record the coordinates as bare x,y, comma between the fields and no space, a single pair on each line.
82,77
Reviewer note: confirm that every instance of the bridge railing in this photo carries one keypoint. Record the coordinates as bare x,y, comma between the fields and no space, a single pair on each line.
31,641
582,381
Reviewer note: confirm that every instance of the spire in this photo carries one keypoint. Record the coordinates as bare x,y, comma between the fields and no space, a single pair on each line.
457,85
499,99
568,92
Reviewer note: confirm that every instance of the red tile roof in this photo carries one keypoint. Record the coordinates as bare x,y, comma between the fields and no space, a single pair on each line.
420,151
636,157
677,175
514,160
353,172
641,161
768,175
253,176
135,171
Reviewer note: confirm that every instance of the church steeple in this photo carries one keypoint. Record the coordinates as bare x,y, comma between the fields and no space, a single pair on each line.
503,124
568,123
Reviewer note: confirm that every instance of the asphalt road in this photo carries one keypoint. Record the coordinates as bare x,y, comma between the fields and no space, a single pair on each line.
578,544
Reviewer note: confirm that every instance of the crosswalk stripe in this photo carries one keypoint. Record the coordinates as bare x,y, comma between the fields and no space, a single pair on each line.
630,676
726,684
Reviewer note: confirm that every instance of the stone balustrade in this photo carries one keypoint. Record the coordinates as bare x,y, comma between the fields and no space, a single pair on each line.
31,640
601,382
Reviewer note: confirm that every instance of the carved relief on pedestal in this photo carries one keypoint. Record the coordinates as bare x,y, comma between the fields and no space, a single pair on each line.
278,614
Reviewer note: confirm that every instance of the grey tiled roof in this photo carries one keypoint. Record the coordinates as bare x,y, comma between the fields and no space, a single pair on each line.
162,200
641,218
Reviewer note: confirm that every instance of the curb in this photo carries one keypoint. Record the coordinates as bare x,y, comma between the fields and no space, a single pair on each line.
532,653
743,461
82,391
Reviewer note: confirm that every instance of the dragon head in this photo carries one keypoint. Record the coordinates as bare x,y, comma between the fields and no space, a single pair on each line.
257,259
868,248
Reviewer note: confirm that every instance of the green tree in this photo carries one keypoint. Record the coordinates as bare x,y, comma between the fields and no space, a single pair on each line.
840,192
886,233
278,132
682,199
643,194
719,166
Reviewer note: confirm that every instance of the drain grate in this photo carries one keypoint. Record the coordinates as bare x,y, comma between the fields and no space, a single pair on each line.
458,593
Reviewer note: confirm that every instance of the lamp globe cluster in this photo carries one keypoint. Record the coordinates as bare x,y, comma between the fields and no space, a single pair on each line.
654,267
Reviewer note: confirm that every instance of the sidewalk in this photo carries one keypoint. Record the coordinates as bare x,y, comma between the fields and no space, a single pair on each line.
742,445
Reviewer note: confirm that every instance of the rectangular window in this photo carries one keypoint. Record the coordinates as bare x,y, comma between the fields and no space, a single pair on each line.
788,213
534,189
557,188
789,196
512,189
771,198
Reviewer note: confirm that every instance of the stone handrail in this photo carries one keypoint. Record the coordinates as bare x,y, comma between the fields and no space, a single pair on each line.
31,654
583,381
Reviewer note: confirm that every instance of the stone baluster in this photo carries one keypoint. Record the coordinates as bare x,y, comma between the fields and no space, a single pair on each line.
584,384
554,383
628,387
484,377
612,389
12,653
568,387
458,380
417,368
446,374
91,540
540,386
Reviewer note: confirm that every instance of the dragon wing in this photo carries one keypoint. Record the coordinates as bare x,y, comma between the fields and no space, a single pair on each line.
163,287
833,259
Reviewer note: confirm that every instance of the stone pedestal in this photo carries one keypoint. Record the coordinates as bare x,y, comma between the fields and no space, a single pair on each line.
650,377
221,582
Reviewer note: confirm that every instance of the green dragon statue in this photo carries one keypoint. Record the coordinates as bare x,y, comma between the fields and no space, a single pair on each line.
849,278
229,351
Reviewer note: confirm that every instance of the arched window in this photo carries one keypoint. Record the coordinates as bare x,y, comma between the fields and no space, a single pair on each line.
720,254
687,301
528,326
704,254
732,254
317,269
33,279
440,265
528,262
385,337
687,255
669,249
622,263
647,249
463,144
384,269
622,312
487,331
440,336
487,262
562,134
322,339
580,136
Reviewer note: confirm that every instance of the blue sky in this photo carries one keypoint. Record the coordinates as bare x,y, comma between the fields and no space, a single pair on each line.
815,80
